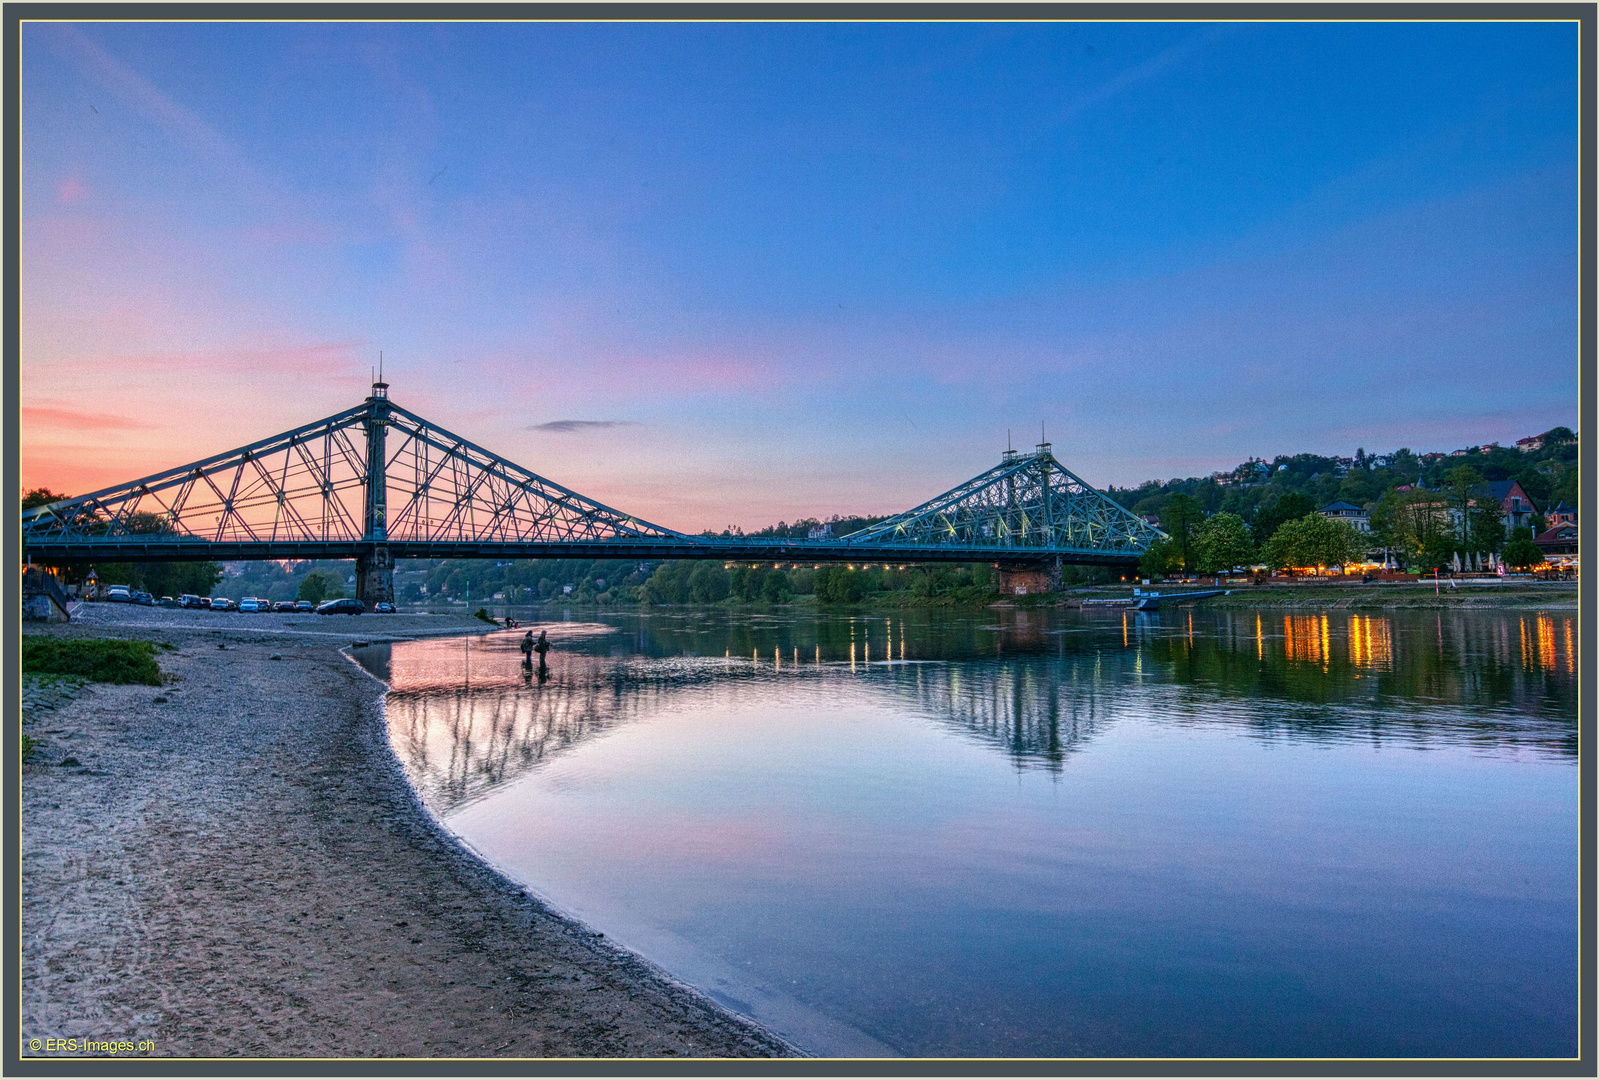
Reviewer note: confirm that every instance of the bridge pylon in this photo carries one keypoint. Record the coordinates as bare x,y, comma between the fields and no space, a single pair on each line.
375,576
375,566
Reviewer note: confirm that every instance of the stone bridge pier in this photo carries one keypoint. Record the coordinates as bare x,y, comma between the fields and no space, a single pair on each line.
1028,577
375,576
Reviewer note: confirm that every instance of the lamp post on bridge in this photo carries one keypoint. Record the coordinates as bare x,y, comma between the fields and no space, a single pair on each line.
374,566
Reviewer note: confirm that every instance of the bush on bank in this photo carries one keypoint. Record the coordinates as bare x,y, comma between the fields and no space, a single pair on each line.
109,660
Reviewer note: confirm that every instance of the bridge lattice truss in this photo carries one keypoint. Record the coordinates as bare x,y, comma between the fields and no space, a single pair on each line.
1026,504
378,475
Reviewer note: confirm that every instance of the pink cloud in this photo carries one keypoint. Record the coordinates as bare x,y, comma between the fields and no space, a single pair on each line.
77,420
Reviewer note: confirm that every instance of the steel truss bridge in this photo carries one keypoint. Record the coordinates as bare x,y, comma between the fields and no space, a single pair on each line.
378,483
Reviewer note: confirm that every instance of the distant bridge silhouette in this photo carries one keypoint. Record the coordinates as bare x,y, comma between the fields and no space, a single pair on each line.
338,489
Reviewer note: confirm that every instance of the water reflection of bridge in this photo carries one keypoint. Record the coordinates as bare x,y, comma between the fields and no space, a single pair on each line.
1035,712
465,717
459,739
461,731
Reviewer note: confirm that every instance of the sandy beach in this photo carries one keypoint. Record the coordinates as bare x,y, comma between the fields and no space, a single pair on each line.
232,865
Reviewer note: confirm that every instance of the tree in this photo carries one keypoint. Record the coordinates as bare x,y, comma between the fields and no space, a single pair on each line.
1290,506
1415,526
1313,540
708,583
848,586
1521,552
1161,558
314,587
1436,552
670,583
158,578
755,580
40,497
839,585
1179,519
178,578
1331,543
1222,542
776,589
1478,524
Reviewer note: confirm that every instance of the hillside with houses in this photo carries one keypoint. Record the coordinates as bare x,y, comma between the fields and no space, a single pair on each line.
1464,508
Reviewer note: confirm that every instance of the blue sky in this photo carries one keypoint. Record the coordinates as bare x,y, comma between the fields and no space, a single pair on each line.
798,269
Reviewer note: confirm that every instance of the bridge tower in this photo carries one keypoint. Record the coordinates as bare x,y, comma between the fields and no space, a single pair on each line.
374,565
1024,576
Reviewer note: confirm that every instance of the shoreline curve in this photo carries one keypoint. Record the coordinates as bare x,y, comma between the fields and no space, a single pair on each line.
234,865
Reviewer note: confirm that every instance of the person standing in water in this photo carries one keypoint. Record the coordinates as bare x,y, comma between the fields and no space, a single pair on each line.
541,647
527,648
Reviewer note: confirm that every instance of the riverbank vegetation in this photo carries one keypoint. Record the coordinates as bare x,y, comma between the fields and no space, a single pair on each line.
108,660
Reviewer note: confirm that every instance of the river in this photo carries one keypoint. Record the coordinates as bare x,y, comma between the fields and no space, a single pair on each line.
1042,834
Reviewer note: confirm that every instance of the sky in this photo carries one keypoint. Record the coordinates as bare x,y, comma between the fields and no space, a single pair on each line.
727,274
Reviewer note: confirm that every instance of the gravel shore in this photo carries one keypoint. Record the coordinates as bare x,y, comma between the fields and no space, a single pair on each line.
233,865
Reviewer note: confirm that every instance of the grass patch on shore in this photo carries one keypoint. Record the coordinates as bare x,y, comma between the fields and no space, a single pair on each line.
109,660
29,744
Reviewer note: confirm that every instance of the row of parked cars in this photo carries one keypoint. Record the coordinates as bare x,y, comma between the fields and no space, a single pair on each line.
344,606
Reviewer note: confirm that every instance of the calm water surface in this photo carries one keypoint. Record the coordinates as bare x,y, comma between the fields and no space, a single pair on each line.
1047,833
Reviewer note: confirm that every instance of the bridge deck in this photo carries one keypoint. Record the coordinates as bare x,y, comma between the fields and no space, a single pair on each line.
737,549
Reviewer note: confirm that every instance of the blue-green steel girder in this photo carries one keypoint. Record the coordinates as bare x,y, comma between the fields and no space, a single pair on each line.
429,493
1027,507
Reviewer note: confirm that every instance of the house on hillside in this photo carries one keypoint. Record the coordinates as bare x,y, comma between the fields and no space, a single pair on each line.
1560,545
1516,509
1561,514
1350,512
1530,444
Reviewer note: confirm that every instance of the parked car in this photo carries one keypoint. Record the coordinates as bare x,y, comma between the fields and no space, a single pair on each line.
142,597
119,594
189,600
167,601
283,605
205,602
343,606
250,603
304,605
222,603
383,607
